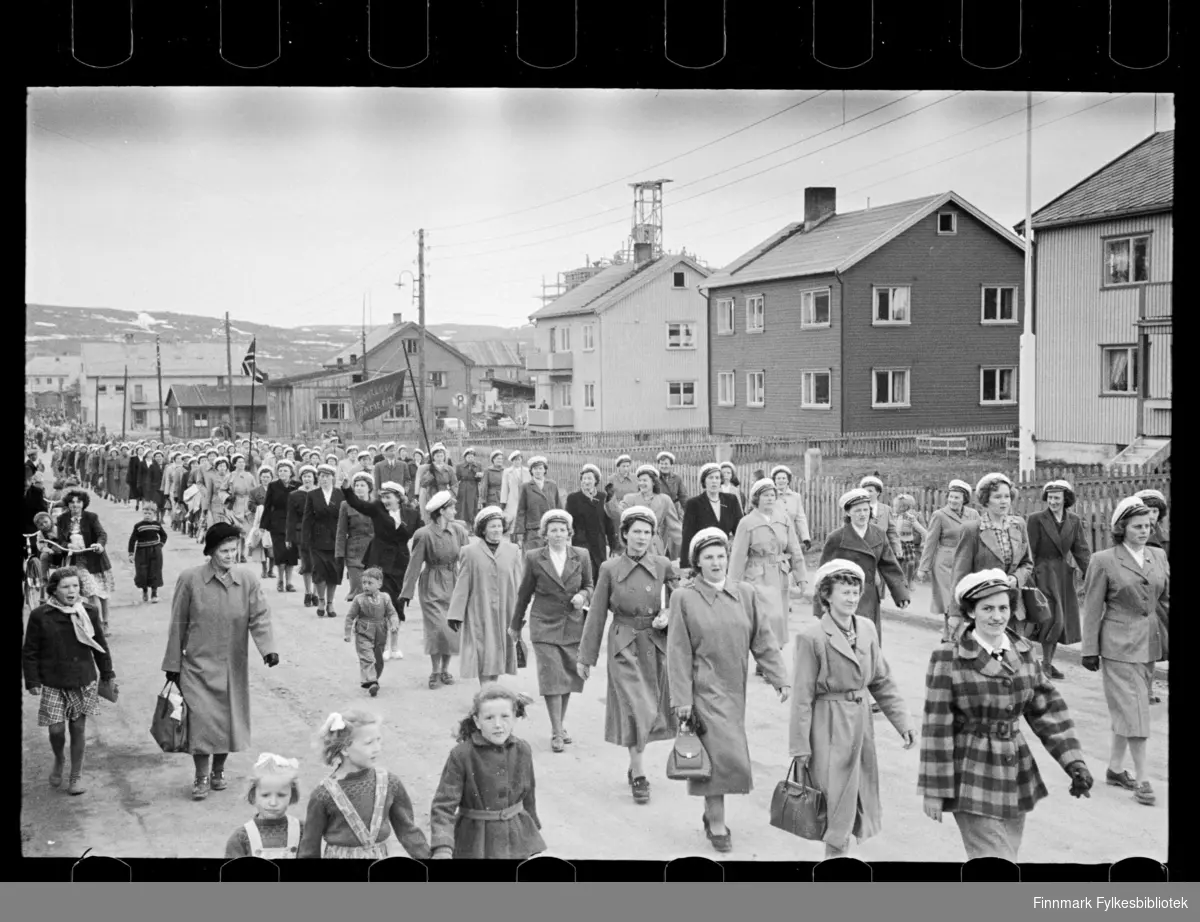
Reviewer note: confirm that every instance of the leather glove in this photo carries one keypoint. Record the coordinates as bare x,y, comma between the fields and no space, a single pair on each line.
1081,779
455,625
401,604
271,659
806,545
173,677
1090,663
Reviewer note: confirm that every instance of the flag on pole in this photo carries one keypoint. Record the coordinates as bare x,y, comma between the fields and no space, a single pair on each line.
250,364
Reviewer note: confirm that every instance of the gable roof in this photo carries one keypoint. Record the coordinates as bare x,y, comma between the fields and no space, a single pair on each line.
381,336
211,395
190,360
63,366
842,240
612,284
492,353
1139,181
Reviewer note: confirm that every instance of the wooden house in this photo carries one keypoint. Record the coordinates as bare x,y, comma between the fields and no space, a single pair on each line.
194,409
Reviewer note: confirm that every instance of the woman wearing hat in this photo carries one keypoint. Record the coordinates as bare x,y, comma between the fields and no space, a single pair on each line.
638,706
836,661
975,762
216,609
789,503
319,535
671,485
432,570
593,529
217,482
1156,502
1126,604
275,520
258,551
557,579
133,477
710,508
1058,543
998,540
649,494
121,475
937,556
354,532
296,503
437,476
537,497
715,625
150,476
492,482
241,482
623,483
881,514
731,485
81,531
516,475
481,605
390,530
766,553
468,473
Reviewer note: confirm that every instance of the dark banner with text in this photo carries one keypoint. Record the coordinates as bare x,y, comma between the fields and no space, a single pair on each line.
377,396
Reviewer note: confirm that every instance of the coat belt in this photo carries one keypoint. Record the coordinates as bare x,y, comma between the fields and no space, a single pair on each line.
854,696
1000,729
637,622
505,814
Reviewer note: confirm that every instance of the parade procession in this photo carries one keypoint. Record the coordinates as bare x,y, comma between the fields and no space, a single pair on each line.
819,541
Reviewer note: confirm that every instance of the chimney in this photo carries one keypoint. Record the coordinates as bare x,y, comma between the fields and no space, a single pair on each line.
397,319
642,252
820,203
128,337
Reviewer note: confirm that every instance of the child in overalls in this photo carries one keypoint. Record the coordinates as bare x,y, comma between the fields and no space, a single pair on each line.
373,622
273,833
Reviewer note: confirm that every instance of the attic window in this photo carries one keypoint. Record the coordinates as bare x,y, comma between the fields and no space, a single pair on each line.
680,281
339,361
947,223
353,358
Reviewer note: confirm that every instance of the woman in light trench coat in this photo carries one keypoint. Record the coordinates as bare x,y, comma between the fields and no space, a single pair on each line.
836,660
937,557
216,609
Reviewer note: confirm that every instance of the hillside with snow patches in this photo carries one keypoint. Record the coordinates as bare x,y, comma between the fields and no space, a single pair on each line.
57,330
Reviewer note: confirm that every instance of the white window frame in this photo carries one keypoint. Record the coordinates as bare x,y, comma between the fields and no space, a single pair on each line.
200,420
683,386
1132,350
998,321
1107,242
995,370
438,380
407,411
566,339
681,346
324,407
953,223
139,418
678,274
756,388
725,311
892,404
808,387
589,395
891,289
589,337
729,399
564,397
807,305
753,302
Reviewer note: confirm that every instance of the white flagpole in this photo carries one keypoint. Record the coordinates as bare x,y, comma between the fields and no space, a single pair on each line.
1027,407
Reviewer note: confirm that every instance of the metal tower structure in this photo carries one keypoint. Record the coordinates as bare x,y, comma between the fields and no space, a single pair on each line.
646,234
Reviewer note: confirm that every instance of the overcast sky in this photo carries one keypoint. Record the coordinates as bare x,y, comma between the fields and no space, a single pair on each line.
285,206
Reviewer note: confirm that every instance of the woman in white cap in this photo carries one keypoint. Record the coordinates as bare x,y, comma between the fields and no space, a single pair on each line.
1059,545
622,484
837,660
432,570
710,508
437,476
997,540
354,532
1126,605
731,485
649,494
536,498
481,604
937,556
975,762
468,473
715,625
297,501
766,553
241,482
275,522
320,537
1160,535
638,706
217,484
557,579
881,514
492,482
593,529
789,503
671,486
392,525
515,476
259,550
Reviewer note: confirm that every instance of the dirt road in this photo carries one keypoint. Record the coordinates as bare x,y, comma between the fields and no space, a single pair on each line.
138,801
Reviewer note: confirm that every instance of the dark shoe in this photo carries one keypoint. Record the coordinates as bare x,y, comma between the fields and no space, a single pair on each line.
641,790
1123,780
77,787
145,596
217,781
1154,699
556,744
722,843
1052,671
154,599
447,679
1143,795
875,708
56,773
435,680
290,588
373,689
320,612
270,572
279,586
330,613
200,788
758,670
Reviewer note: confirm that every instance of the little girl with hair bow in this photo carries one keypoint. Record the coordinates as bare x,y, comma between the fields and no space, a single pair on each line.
273,833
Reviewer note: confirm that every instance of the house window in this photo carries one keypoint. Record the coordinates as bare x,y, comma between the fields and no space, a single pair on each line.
566,339
564,396
891,388
681,336
814,308
1127,260
353,358
356,379
589,396
200,420
681,394
553,339
725,389
725,315
998,386
402,410
437,379
999,304
589,337
755,315
891,305
947,223
101,388
333,409
815,391
679,281
339,361
441,413
410,346
220,380
139,419
756,389
119,388
1120,370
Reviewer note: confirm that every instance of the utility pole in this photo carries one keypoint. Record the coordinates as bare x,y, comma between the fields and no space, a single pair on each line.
124,402
229,378
364,337
1027,407
423,407
162,437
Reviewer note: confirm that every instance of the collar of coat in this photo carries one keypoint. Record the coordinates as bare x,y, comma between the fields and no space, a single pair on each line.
710,592
871,539
1125,559
210,573
479,740
650,563
838,640
970,650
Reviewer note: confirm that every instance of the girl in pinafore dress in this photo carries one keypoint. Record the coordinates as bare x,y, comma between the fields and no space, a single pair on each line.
485,806
273,833
348,810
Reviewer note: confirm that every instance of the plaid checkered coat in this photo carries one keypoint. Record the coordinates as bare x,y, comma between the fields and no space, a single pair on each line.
987,774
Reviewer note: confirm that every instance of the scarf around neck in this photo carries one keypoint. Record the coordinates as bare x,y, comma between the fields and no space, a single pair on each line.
84,632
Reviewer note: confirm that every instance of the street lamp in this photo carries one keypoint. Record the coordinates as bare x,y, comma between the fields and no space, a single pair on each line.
413,286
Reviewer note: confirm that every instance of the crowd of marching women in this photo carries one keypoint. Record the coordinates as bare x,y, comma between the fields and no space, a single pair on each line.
680,589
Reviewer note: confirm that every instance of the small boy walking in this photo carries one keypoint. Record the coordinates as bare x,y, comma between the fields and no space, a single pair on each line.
146,544
373,622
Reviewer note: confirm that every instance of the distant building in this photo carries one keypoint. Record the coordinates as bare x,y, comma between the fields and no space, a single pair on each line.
194,409
500,382
52,382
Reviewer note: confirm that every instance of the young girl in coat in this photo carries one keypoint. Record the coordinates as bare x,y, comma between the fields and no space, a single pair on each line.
351,809
374,625
273,833
484,806
146,547
911,532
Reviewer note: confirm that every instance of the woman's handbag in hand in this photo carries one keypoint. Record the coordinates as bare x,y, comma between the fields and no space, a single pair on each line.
688,760
798,806
265,539
522,654
169,725
1037,608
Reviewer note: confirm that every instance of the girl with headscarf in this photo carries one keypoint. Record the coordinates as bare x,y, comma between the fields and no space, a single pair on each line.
649,494
1057,539
937,555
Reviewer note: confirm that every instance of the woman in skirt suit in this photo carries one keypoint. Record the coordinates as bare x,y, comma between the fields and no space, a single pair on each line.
296,502
591,524
320,537
354,532
537,497
975,762
391,527
1126,603
937,557
1057,537
712,507
638,706
557,579
274,522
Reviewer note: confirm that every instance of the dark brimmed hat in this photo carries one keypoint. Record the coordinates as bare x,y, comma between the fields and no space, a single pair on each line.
218,534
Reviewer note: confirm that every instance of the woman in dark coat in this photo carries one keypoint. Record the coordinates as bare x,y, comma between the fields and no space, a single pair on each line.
320,537
354,533
1057,536
1160,535
469,474
296,502
537,497
81,530
121,477
700,511
133,476
274,522
593,527
390,533
152,485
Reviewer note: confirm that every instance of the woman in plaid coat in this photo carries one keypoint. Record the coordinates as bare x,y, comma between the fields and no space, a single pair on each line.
975,762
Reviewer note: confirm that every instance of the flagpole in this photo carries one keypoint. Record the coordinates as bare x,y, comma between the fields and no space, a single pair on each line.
229,371
1026,406
253,380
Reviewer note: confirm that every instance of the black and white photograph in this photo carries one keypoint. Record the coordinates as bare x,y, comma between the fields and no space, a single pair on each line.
599,474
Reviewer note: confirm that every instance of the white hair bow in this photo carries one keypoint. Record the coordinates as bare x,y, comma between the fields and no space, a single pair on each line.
334,722
269,758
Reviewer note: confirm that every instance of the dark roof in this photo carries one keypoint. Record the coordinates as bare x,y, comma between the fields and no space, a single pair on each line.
492,353
1139,181
607,287
210,395
381,336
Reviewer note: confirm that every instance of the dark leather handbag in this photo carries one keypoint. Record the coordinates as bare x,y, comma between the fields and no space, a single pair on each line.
798,806
170,728
522,654
1037,607
688,760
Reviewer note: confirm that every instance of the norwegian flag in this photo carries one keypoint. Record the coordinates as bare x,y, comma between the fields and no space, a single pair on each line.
250,364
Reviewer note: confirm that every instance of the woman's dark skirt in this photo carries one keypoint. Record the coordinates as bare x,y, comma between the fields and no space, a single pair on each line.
148,567
556,668
324,568
283,555
305,557
392,584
